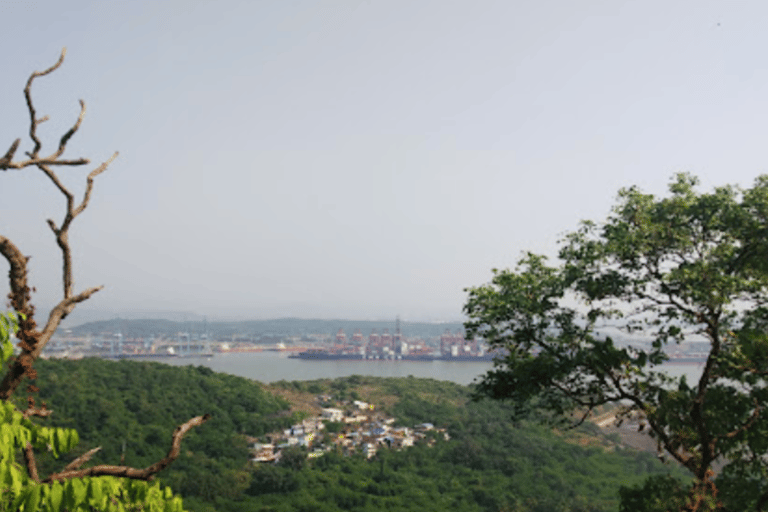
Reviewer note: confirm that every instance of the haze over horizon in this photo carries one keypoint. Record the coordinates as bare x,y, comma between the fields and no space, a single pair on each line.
360,159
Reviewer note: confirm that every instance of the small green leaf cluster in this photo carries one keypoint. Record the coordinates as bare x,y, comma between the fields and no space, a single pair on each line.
16,431
9,324
105,493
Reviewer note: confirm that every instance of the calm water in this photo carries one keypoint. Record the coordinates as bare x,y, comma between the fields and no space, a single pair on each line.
273,366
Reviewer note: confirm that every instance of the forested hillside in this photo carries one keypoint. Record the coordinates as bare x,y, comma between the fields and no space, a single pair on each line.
131,408
490,463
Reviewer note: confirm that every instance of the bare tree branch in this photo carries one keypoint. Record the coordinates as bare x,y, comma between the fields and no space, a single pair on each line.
4,165
62,233
75,464
65,138
9,155
6,162
32,341
40,412
33,121
29,458
17,275
147,473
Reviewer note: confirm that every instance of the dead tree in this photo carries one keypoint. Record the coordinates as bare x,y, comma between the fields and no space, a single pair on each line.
32,339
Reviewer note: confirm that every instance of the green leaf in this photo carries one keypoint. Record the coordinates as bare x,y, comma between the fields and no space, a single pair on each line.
173,505
60,441
75,493
95,495
32,498
56,496
17,478
73,439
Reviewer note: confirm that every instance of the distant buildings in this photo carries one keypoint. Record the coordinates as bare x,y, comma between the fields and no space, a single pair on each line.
363,430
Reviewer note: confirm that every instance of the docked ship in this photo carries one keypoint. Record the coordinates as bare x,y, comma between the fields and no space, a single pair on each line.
140,355
388,346
487,356
687,358
325,354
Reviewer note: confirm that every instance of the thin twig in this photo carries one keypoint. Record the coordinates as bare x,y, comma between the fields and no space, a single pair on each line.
40,161
9,155
40,412
32,114
147,473
75,464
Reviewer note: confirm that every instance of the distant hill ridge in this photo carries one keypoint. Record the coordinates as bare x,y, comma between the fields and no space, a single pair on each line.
259,328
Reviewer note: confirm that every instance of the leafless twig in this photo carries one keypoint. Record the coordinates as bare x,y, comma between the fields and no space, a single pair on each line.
40,412
75,464
32,340
147,473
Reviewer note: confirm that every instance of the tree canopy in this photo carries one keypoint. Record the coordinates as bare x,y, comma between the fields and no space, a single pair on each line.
689,266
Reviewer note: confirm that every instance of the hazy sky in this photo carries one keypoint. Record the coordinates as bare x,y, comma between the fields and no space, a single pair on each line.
362,159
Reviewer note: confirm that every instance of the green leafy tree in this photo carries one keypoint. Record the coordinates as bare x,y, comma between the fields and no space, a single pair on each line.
661,270
74,488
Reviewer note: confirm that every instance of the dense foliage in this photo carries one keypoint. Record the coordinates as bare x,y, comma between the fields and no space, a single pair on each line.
130,408
490,463
688,265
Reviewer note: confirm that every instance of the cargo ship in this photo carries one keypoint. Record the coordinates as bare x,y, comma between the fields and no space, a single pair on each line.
687,358
331,355
323,355
386,346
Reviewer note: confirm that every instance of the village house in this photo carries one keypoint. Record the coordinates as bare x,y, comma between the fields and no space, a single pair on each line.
263,452
364,432
369,449
332,414
363,406
357,418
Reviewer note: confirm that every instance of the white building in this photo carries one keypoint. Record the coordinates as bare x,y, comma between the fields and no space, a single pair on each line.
331,414
363,406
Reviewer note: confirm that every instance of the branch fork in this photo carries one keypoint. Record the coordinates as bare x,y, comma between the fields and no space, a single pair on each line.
33,340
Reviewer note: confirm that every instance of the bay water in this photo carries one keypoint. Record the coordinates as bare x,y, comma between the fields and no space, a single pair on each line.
270,366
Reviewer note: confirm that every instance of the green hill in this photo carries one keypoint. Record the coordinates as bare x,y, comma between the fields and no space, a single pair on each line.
490,463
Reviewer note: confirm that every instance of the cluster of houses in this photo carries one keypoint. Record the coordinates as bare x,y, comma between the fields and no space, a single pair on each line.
356,429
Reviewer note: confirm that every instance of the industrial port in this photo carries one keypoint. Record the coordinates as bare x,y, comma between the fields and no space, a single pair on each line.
395,346
380,344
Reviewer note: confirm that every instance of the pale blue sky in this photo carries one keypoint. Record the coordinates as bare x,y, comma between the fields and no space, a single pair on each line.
363,159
